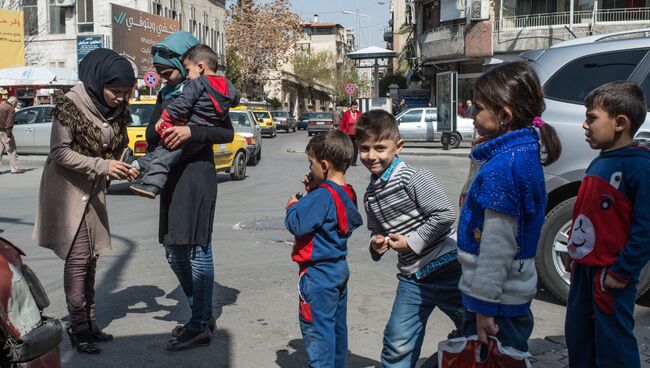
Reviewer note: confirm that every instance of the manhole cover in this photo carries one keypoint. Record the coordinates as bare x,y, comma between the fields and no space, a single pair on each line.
261,223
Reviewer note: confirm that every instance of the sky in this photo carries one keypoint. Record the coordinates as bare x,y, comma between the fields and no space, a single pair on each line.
331,11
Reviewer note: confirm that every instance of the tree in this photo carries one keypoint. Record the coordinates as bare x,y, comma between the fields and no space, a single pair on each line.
312,68
261,36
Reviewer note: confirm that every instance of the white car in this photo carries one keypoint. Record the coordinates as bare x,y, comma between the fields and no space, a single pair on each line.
32,129
420,124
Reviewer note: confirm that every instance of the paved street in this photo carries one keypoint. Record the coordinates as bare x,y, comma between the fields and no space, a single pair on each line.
255,291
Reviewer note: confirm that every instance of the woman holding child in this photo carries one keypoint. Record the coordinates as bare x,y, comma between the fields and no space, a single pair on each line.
88,138
188,200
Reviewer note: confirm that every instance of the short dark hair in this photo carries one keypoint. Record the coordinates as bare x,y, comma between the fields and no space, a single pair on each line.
620,98
354,103
334,146
202,53
377,125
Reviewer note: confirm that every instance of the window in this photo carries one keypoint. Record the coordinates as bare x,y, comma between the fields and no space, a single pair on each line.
85,16
57,18
156,7
27,116
646,91
413,116
46,116
30,10
430,115
587,73
428,23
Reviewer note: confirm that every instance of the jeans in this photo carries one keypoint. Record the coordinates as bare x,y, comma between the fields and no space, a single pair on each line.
157,164
194,269
596,337
414,302
513,331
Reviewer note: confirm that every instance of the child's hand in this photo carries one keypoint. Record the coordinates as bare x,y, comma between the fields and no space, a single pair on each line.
398,242
309,182
612,283
379,244
157,126
485,326
292,200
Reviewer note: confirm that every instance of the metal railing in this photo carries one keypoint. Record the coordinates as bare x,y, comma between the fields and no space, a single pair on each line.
560,19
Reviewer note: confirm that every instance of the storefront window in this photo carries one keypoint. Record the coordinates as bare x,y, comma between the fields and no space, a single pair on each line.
57,18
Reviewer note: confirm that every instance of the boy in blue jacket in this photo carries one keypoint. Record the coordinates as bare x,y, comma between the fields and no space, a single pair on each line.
322,222
205,100
610,235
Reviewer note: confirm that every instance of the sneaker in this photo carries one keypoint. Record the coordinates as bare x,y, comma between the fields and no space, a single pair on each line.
145,190
19,171
190,339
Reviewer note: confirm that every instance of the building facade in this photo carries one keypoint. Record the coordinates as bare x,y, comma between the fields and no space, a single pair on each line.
52,26
472,36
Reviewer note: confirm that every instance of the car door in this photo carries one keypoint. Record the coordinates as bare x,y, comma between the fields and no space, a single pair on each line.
430,131
43,130
23,130
409,123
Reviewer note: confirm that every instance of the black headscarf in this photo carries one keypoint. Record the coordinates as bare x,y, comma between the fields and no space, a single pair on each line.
105,68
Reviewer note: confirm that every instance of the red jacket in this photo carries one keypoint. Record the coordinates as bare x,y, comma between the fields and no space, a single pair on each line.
349,123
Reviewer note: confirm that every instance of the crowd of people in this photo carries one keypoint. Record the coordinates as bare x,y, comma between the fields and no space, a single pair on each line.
481,274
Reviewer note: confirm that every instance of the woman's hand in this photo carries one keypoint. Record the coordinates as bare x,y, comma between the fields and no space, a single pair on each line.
175,136
485,327
118,169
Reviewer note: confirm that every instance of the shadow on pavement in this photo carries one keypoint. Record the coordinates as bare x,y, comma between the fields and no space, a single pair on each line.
294,356
545,296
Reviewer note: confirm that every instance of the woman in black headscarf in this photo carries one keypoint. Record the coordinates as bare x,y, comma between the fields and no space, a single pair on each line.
88,138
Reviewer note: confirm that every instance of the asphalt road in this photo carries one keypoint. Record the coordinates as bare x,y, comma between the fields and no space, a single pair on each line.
255,299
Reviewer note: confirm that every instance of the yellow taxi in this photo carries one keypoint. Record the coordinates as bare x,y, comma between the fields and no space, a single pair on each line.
267,124
230,158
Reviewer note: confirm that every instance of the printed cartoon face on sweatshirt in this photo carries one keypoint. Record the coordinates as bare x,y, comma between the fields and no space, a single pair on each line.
601,221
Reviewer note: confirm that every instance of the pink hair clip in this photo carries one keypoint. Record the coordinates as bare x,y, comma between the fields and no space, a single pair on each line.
538,122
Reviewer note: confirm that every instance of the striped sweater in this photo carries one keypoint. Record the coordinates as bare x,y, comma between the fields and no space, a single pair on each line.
411,202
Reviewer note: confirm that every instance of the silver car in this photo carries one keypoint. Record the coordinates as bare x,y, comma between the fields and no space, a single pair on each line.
246,125
420,124
32,129
568,71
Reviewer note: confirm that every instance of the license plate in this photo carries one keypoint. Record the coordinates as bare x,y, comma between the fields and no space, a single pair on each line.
320,123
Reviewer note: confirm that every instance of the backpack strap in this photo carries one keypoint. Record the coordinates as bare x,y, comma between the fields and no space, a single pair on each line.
341,212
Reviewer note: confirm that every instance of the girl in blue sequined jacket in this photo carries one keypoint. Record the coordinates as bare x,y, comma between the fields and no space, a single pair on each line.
503,215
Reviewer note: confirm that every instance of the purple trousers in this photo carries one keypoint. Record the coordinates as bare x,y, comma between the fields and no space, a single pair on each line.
79,279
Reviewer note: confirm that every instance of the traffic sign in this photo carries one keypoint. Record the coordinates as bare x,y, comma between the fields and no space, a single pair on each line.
151,79
350,88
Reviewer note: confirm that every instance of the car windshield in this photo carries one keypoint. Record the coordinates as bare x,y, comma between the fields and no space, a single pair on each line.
305,115
280,114
262,115
141,114
240,121
321,115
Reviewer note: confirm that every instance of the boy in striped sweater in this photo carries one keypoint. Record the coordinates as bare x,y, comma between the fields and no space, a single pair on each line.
408,212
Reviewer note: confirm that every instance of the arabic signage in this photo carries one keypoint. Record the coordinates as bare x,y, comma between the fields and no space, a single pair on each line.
446,100
134,33
12,38
86,44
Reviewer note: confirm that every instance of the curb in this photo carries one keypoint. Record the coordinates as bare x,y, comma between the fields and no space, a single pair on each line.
27,161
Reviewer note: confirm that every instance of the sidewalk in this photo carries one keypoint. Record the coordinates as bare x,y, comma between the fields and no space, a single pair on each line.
434,149
24,161
551,352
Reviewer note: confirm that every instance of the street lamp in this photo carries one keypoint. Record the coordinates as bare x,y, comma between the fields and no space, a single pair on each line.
358,28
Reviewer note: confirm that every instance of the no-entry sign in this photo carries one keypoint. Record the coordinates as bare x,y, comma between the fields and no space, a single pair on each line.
350,88
151,79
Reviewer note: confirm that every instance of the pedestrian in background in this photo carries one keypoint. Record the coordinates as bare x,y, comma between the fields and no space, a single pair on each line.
188,199
469,109
503,214
322,222
7,140
88,139
610,233
338,115
410,213
348,125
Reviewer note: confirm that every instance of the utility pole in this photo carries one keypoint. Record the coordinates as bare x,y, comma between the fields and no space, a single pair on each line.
358,27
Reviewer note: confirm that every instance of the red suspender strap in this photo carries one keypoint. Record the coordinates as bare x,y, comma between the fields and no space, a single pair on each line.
341,213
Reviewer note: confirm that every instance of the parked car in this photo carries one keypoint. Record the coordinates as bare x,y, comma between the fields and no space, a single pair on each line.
246,125
303,120
568,71
29,339
230,158
267,124
320,122
285,120
32,129
420,124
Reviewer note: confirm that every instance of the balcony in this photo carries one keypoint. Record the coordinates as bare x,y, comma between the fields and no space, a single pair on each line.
634,16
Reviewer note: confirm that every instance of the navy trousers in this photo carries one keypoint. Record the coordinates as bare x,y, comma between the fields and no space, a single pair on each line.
597,338
323,313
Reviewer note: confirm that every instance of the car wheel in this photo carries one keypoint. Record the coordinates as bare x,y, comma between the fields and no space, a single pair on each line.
553,256
288,129
255,159
238,169
308,133
454,141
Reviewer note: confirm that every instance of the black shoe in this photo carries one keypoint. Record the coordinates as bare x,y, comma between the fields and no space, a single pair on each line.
178,330
190,339
145,190
354,164
82,340
98,334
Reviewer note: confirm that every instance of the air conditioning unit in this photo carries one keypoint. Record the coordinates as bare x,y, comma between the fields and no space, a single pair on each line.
479,10
64,3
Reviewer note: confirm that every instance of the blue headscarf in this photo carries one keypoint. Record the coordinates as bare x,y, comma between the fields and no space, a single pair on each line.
169,52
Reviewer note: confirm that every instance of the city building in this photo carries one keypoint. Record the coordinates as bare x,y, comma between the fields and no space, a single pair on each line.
471,36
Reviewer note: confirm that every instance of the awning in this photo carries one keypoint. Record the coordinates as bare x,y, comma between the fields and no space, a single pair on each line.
37,76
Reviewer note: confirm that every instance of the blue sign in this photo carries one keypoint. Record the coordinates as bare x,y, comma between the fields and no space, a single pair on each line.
86,44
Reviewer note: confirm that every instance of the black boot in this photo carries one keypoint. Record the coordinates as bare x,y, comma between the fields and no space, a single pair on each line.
81,338
98,334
